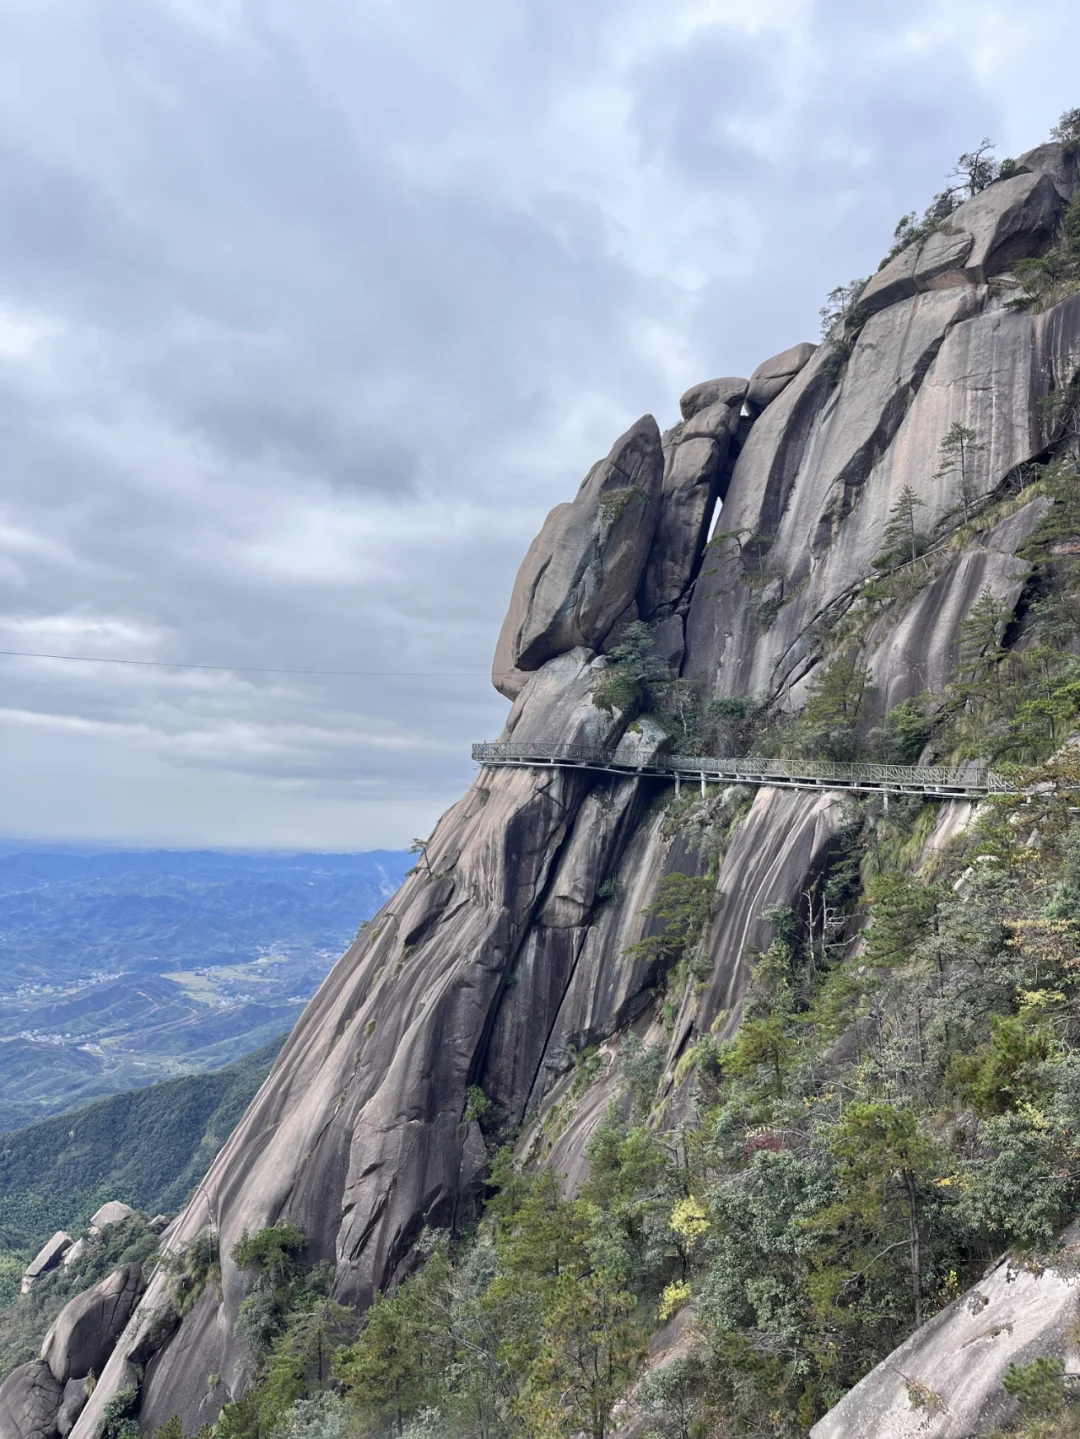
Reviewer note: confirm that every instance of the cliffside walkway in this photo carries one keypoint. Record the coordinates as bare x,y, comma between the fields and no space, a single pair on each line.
970,781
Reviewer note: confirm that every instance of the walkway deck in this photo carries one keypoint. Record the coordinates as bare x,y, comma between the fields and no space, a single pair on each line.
970,781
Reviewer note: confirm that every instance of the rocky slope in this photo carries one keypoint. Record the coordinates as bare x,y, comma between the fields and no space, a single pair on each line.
503,955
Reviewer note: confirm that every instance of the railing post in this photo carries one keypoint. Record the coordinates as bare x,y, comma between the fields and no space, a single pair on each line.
678,783
702,784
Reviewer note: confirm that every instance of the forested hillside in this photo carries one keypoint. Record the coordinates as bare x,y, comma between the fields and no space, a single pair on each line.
148,1148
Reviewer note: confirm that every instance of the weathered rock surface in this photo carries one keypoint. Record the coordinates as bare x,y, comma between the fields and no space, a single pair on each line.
75,1253
48,1257
694,470
72,1404
29,1401
823,467
729,391
87,1328
583,569
1007,221
773,376
112,1213
953,1367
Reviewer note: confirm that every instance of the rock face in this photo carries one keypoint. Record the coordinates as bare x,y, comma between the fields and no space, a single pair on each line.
86,1330
505,952
945,1382
48,1257
112,1213
984,236
29,1402
582,570
730,392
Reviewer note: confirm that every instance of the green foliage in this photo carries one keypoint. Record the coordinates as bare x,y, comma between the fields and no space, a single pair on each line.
901,540
681,910
626,685
1039,1386
1067,129
191,1267
478,1107
834,705
901,739
293,1332
643,1066
118,1416
958,449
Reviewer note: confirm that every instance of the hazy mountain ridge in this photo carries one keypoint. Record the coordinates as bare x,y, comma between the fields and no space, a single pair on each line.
121,968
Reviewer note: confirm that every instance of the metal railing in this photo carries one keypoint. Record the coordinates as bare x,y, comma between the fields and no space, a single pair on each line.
970,779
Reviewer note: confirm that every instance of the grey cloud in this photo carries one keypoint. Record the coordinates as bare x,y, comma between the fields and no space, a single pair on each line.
341,304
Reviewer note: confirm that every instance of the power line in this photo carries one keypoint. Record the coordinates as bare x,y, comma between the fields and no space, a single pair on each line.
246,669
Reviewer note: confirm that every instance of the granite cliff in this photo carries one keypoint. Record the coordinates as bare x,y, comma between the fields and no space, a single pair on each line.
504,955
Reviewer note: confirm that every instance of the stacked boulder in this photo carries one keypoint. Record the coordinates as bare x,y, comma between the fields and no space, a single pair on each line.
44,1398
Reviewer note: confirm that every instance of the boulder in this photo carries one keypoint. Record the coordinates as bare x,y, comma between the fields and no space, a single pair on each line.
1010,220
582,571
641,743
932,264
29,1401
87,1328
71,1405
773,376
982,237
945,1382
728,391
112,1213
1053,159
76,1252
47,1257
695,465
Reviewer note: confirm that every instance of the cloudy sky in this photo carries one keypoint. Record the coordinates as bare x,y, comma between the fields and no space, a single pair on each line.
311,309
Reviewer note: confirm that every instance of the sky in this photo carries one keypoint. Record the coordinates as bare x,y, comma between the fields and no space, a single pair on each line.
311,309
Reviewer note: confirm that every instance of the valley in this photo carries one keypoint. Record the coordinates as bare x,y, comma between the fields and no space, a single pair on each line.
118,969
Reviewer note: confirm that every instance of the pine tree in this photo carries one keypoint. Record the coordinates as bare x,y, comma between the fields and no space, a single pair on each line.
980,649
901,538
958,449
837,693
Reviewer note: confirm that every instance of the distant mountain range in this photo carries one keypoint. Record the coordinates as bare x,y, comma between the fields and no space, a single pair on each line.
120,968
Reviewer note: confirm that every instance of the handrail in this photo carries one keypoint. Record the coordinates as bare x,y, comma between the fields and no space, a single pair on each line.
810,773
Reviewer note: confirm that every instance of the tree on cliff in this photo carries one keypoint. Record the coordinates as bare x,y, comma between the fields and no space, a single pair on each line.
901,540
958,450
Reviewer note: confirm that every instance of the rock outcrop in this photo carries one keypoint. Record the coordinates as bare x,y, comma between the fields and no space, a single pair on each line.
583,569
505,952
29,1402
86,1330
772,376
114,1212
48,1257
945,1382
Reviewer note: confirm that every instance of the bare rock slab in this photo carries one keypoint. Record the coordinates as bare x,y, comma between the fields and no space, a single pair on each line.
772,376
29,1400
112,1213
86,1330
945,1382
47,1257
